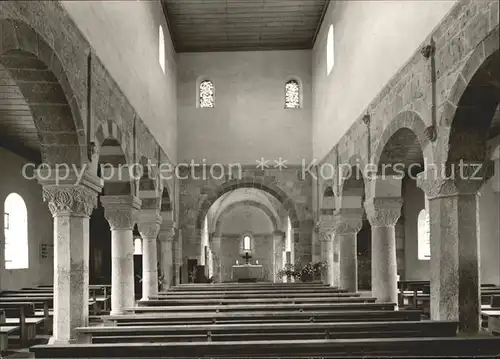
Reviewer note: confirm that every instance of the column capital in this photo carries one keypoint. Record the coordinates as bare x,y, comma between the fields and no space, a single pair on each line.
325,231
121,211
148,223
383,211
348,220
459,178
167,233
74,194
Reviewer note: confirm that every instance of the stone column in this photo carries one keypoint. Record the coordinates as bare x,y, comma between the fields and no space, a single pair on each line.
121,214
278,249
383,213
166,238
149,227
177,248
454,263
326,237
348,223
71,202
215,244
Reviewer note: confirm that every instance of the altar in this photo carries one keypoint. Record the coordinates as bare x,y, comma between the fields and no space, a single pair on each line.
247,272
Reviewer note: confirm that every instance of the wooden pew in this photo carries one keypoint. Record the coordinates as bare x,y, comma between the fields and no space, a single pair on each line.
20,311
263,307
458,347
255,295
269,331
202,286
261,317
5,331
202,301
255,291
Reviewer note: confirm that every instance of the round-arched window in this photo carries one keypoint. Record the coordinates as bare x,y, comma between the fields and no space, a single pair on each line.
16,232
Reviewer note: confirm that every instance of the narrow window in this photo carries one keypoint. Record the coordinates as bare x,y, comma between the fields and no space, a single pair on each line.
161,47
207,94
330,51
292,94
138,245
424,244
16,232
246,243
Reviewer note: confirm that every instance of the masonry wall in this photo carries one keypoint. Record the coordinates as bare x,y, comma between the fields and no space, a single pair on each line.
373,39
40,271
125,36
249,120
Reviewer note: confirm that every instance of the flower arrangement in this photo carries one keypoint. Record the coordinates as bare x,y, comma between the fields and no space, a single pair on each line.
304,272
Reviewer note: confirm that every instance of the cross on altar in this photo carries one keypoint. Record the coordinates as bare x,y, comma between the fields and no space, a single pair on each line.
247,257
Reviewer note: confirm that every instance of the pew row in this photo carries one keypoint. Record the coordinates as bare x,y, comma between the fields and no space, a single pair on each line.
263,307
269,331
261,317
456,347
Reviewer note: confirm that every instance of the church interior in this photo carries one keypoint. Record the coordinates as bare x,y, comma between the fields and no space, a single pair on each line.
250,179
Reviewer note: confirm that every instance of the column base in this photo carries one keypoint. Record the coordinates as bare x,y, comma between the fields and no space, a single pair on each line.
54,341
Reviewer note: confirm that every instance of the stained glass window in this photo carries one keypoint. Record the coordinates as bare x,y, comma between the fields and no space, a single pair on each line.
207,94
292,94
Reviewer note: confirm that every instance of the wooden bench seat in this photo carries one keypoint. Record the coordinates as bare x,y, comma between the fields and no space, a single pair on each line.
156,301
27,330
458,347
5,331
270,331
256,295
263,307
256,291
261,317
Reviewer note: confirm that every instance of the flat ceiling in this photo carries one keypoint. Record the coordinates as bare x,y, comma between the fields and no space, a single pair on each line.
243,25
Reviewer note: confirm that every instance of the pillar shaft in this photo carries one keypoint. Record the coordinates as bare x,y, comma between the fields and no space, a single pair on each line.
326,237
71,206
454,231
166,237
121,213
278,249
455,260
149,227
348,262
215,244
383,214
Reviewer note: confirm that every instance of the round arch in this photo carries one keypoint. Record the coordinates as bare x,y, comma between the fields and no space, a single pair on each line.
404,138
472,101
267,211
256,183
56,114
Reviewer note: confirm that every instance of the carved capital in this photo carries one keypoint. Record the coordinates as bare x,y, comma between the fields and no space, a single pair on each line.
383,211
348,220
121,211
453,179
326,231
166,234
149,223
70,200
69,192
